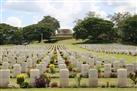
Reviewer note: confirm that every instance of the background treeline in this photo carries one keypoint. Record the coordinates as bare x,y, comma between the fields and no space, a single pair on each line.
43,30
121,27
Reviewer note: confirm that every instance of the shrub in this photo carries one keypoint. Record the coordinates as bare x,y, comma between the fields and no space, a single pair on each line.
54,84
65,58
133,77
20,78
40,82
52,68
70,67
25,85
48,79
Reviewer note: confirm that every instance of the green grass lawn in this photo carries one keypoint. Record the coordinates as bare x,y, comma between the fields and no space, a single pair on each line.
84,81
127,58
71,44
72,89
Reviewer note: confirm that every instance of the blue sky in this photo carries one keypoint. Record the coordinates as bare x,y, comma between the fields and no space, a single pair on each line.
25,12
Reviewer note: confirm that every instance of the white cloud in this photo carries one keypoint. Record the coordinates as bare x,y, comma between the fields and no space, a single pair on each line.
14,21
98,10
66,11
123,5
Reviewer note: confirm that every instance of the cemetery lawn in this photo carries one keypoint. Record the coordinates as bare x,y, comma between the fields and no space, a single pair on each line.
72,89
72,45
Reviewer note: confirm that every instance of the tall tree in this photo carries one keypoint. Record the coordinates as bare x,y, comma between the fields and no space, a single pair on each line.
129,29
37,32
17,37
6,33
51,22
94,29
118,18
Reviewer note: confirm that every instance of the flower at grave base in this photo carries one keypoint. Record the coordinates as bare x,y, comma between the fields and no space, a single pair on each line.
20,78
67,62
52,68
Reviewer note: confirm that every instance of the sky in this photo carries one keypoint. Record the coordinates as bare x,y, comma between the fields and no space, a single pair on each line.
21,13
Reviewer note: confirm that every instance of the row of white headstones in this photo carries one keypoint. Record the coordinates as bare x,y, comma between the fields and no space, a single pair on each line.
64,77
110,48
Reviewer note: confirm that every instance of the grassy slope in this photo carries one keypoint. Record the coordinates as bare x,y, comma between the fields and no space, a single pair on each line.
75,47
71,44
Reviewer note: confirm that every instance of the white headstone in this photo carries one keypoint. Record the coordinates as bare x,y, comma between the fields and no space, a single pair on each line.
84,69
34,73
122,77
16,69
4,77
93,78
5,65
107,70
64,78
130,68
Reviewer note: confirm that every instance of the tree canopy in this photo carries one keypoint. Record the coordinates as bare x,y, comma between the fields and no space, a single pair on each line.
129,29
51,22
122,27
94,29
6,33
37,32
44,29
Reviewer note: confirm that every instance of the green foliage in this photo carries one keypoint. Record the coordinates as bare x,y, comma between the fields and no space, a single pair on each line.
53,58
37,32
133,77
48,79
94,29
7,33
70,67
20,78
51,22
17,37
52,68
118,18
129,29
121,28
25,85
44,29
